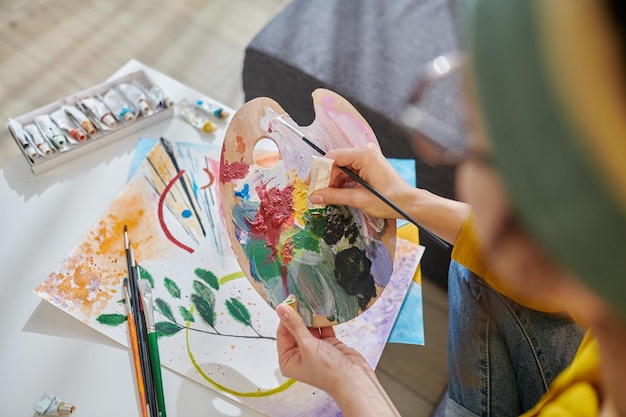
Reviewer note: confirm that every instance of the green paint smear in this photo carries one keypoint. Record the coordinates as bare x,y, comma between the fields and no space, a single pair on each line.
166,329
304,240
208,277
171,287
186,314
268,270
238,311
316,287
111,319
315,223
144,274
164,308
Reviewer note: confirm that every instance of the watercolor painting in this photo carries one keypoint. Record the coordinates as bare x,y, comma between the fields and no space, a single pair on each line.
213,326
336,260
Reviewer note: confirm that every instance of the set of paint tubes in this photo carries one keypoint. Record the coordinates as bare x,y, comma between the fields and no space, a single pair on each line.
90,116
199,113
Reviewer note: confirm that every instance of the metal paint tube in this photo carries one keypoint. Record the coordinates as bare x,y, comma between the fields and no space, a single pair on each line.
99,111
320,178
194,117
60,118
211,108
52,405
136,96
19,133
79,117
118,105
50,130
37,138
157,95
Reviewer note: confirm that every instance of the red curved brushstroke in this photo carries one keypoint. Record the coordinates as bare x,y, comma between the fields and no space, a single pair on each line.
162,198
211,178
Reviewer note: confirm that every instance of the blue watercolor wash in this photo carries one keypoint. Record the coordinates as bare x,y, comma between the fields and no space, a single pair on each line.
409,326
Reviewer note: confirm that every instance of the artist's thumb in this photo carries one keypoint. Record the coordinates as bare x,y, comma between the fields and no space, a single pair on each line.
293,322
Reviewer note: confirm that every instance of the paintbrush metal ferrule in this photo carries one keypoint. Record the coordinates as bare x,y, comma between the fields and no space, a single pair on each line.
129,305
126,244
365,184
131,260
146,299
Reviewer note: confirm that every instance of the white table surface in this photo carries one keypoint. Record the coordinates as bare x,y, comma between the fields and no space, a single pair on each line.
44,349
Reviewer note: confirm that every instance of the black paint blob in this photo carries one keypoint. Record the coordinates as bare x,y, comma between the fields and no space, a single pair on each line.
352,272
339,223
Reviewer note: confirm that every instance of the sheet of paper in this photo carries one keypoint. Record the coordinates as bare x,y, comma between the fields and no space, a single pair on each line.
171,207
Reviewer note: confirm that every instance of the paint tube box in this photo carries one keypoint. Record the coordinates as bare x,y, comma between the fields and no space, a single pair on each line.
103,134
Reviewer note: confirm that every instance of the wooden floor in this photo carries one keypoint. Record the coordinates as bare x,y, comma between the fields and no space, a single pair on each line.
52,48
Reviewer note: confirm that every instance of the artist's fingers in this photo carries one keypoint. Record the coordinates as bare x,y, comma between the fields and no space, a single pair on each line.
356,158
353,197
284,340
293,323
368,163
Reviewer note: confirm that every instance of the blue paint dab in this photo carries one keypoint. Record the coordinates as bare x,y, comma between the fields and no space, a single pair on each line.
186,213
244,193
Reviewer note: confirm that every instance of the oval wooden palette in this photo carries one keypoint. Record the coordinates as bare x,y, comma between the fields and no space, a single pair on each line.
336,263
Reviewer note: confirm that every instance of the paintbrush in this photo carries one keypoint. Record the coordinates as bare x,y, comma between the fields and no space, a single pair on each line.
365,184
146,299
142,334
134,345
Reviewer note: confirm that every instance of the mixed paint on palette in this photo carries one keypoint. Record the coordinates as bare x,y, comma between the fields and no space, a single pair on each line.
335,260
213,326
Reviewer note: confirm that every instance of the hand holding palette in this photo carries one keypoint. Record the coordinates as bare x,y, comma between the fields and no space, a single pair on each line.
337,260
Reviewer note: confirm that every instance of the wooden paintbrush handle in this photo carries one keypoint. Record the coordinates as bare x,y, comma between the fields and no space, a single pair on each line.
134,344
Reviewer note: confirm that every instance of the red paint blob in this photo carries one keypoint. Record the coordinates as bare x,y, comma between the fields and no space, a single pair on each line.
235,171
275,213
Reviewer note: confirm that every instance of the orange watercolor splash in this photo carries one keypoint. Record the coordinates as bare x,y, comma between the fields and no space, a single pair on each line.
83,283
90,278
241,145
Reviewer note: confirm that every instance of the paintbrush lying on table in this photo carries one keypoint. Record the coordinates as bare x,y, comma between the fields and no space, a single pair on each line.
365,184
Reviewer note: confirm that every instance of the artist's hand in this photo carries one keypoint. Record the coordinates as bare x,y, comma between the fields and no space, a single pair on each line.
440,215
369,164
318,358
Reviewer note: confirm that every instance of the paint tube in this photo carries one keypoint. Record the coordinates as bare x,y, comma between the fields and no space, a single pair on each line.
19,133
195,118
79,117
99,111
52,405
51,131
136,96
159,97
292,302
320,178
211,108
60,118
38,139
118,105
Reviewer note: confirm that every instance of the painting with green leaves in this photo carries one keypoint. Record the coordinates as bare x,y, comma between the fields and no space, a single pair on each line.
212,326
